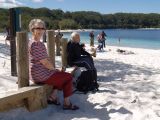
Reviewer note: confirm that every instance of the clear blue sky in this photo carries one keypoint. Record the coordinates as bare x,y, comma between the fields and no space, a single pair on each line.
102,6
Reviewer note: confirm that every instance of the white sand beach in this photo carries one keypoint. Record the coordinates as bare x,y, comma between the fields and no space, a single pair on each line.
129,88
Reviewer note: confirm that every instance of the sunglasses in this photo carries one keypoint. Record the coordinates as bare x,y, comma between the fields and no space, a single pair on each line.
38,28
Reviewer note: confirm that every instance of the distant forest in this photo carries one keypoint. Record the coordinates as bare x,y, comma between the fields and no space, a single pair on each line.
58,19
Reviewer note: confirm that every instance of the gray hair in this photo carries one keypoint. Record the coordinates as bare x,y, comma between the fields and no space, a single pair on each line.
34,22
74,34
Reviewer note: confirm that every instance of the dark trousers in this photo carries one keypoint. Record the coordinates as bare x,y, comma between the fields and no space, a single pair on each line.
103,43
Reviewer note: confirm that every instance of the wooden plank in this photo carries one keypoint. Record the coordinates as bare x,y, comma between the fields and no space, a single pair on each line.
12,105
32,97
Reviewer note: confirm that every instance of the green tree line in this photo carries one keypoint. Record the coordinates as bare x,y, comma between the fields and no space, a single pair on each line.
58,19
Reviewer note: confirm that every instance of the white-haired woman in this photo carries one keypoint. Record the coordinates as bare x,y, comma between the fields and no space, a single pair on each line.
77,56
42,70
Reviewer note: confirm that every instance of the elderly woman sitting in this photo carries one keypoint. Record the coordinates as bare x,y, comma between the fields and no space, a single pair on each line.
78,56
42,70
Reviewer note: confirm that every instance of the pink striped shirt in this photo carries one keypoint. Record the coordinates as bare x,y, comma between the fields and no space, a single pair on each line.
37,52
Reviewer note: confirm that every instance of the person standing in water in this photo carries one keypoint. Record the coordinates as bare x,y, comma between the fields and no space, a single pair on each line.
103,35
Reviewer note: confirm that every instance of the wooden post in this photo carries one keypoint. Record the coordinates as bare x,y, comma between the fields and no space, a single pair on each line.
92,42
22,58
57,41
64,42
12,42
51,45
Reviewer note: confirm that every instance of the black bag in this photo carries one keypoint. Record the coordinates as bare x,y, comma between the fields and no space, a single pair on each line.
86,82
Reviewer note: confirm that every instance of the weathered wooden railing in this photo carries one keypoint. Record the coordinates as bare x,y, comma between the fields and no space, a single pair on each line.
33,97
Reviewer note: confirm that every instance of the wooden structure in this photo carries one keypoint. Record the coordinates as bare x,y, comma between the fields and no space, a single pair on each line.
22,58
12,41
33,97
14,26
51,45
64,42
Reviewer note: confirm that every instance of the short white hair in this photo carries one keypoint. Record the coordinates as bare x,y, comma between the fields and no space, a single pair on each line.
34,22
74,34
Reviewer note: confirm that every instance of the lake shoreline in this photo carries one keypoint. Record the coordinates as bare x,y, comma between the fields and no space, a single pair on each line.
134,38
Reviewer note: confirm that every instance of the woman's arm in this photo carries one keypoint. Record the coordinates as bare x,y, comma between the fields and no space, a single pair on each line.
47,64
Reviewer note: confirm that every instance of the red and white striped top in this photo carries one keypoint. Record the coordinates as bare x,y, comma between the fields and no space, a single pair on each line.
37,52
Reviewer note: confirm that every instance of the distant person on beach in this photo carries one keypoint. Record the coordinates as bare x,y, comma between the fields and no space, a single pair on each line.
8,34
59,35
100,44
103,34
42,70
77,56
91,35
119,40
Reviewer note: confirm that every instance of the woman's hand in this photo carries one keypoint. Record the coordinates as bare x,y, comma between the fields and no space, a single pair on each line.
57,70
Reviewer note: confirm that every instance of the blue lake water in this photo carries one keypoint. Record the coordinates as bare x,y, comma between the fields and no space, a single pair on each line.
137,38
